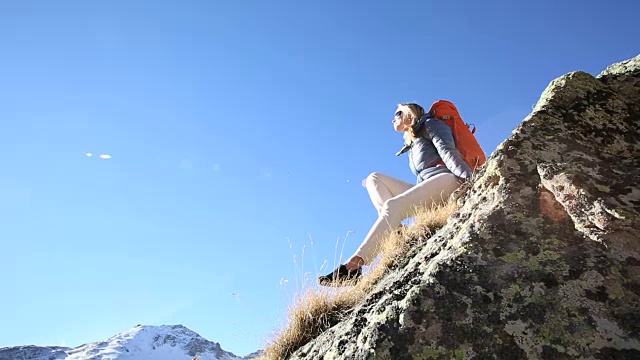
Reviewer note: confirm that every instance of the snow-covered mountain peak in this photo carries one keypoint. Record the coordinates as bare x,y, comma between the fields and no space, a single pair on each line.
142,336
143,342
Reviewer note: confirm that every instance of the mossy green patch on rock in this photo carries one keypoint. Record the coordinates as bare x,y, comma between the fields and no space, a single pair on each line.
514,257
439,354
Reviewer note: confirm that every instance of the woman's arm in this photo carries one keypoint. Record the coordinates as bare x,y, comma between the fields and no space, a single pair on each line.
442,139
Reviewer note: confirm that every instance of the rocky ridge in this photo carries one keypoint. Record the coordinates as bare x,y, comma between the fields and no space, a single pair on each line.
541,261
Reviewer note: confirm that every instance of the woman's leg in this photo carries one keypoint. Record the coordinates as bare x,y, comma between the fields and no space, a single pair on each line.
435,190
382,187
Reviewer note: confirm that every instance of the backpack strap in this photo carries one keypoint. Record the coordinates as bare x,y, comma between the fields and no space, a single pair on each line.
404,149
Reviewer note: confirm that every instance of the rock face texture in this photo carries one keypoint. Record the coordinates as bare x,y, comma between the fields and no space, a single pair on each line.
542,261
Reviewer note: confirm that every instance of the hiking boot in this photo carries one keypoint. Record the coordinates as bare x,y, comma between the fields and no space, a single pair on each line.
340,277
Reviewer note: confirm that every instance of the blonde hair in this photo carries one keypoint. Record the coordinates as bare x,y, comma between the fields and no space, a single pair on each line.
414,112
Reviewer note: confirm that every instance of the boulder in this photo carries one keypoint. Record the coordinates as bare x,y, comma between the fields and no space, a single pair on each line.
541,260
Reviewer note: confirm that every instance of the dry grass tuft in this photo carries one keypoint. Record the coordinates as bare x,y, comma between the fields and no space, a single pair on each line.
426,222
313,312
316,310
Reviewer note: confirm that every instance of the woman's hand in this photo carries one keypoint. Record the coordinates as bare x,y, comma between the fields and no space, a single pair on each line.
460,194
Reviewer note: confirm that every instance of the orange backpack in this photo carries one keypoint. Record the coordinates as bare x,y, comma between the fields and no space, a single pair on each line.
466,143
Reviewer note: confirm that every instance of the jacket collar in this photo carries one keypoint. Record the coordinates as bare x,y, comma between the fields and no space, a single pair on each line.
416,130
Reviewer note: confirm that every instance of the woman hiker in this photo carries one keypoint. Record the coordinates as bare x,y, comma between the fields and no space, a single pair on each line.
440,170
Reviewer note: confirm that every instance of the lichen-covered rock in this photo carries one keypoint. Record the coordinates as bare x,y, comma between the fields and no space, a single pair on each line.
542,261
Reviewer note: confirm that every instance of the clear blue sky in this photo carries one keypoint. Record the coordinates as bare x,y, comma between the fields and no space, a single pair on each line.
235,128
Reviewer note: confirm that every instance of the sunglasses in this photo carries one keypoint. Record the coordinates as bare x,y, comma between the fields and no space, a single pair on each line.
398,113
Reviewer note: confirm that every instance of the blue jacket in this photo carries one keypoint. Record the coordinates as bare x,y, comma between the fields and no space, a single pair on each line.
434,143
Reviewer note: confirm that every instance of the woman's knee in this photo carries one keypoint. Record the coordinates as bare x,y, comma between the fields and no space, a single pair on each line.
373,179
392,206
393,211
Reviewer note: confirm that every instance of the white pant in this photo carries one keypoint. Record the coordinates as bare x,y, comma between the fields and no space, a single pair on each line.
395,200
